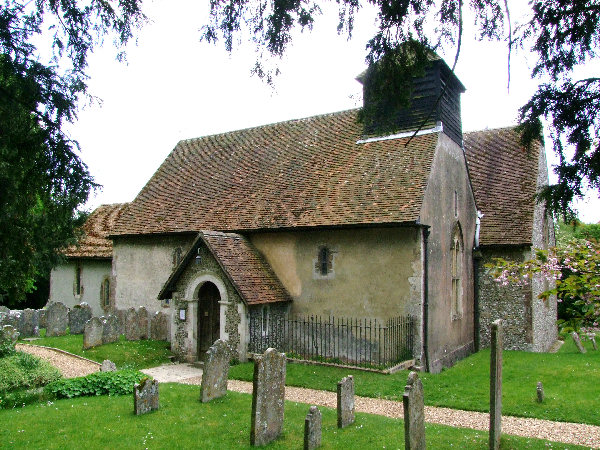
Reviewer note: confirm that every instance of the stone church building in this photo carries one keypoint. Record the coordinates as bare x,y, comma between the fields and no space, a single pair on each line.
319,216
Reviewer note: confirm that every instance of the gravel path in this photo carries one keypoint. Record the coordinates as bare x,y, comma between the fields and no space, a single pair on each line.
569,433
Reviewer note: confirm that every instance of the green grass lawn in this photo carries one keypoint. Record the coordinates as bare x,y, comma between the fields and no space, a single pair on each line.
570,382
184,422
125,354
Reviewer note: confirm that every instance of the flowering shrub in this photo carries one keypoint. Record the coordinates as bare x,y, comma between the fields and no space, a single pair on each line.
575,270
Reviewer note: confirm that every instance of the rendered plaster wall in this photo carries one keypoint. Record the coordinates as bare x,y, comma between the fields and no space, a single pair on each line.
450,336
93,273
511,303
141,265
544,313
376,273
232,309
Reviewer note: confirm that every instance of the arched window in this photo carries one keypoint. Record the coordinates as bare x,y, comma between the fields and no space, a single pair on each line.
456,252
105,293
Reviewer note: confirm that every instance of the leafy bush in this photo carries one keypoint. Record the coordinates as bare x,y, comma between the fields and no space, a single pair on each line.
98,383
23,371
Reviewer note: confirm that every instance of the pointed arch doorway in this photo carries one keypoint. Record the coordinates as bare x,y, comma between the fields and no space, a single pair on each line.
208,317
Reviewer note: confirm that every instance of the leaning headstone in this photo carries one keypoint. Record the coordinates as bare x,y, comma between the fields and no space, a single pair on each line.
159,327
143,322
78,316
345,402
29,325
56,319
578,343
8,339
145,396
496,385
414,413
215,372
132,331
42,315
108,366
312,429
268,394
110,331
92,333
540,392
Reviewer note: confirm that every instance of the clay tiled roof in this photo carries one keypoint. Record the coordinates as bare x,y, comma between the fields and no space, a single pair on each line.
302,173
251,276
94,242
504,178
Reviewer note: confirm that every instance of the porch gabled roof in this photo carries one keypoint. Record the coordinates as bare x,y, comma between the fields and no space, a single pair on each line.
248,272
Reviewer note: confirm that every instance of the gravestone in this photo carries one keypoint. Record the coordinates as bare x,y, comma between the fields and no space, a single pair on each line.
414,413
345,402
578,343
159,327
8,338
42,314
92,333
4,309
496,385
215,372
108,366
29,325
143,322
145,396
132,331
13,318
121,315
3,316
56,319
110,329
268,394
78,316
540,392
312,429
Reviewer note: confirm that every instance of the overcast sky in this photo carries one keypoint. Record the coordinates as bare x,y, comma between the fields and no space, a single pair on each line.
174,87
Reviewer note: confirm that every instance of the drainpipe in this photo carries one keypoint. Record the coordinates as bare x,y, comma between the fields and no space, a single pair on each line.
476,263
425,232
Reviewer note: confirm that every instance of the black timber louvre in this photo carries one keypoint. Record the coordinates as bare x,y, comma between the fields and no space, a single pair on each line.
425,110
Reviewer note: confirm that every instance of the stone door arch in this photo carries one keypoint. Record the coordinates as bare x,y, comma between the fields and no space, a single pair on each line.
209,316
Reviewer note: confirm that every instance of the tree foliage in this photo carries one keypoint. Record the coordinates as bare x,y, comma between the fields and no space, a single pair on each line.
42,178
564,34
575,274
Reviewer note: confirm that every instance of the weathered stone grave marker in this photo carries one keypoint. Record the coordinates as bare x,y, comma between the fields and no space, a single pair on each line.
132,329
540,392
414,413
145,396
42,316
4,309
78,316
592,338
159,327
496,385
578,343
108,366
29,324
312,429
143,322
215,372
8,337
110,329
56,319
268,395
345,402
92,333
